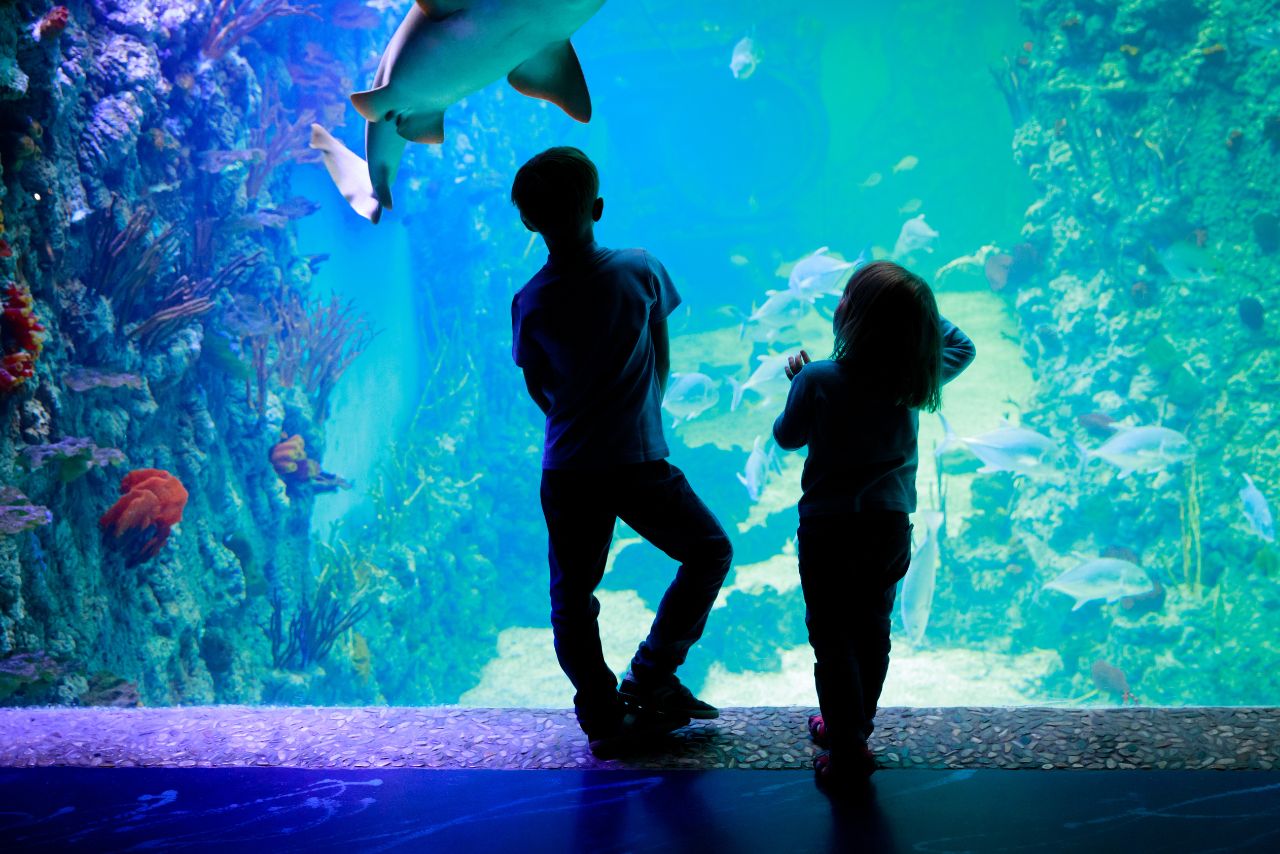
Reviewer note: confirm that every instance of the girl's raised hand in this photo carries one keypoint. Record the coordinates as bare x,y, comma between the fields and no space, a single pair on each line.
796,363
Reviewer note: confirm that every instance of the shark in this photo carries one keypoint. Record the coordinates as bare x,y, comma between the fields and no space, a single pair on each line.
443,51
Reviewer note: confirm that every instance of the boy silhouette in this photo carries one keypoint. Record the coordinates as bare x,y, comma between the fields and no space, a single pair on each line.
589,331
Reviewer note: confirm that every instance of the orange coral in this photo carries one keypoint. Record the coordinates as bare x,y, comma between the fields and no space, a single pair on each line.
151,503
289,459
23,337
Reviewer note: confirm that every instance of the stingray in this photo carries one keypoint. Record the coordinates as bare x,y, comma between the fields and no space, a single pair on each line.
443,51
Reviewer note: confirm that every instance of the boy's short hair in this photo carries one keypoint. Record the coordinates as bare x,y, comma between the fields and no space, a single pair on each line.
556,188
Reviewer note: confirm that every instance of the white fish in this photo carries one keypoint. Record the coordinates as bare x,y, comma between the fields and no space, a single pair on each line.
921,577
872,180
443,51
756,474
745,59
911,206
781,310
820,273
915,234
1186,262
977,261
689,395
1265,37
1106,578
1018,450
1140,449
769,380
906,164
1257,512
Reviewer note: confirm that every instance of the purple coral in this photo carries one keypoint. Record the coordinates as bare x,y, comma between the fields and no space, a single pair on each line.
73,455
18,514
84,379
233,20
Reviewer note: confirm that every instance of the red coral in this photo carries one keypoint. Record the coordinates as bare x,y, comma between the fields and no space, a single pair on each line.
22,336
151,503
289,459
53,22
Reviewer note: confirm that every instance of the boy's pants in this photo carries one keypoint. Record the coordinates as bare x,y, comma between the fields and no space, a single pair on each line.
849,566
581,508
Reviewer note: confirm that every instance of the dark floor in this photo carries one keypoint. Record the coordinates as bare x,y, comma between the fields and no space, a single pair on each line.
288,809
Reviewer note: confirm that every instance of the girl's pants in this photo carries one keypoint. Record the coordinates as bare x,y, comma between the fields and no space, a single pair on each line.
849,566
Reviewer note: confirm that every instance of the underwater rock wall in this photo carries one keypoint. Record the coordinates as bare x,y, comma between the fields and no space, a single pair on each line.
146,213
1151,130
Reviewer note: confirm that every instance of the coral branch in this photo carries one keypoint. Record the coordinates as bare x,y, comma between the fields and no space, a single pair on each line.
278,138
321,620
233,20
125,263
316,343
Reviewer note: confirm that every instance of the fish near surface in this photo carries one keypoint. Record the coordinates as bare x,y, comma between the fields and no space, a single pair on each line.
443,51
920,580
689,395
768,380
820,273
1186,262
1141,449
1017,450
915,234
1106,578
744,60
756,474
1257,512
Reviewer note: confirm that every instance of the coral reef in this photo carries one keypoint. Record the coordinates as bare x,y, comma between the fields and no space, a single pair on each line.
72,457
23,337
150,504
289,459
17,514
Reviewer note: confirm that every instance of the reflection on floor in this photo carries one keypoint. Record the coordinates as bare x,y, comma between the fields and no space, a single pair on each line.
290,809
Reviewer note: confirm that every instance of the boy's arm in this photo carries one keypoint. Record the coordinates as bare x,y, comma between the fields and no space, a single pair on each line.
526,358
957,350
535,391
791,430
661,351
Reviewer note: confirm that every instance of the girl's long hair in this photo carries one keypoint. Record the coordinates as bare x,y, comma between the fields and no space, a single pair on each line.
887,327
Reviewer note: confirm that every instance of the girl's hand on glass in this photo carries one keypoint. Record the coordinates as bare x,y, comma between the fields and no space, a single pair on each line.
796,363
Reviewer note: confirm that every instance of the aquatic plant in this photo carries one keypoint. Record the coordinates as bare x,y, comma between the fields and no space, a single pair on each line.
316,342
72,456
126,261
233,20
18,514
22,336
343,588
190,297
278,138
151,503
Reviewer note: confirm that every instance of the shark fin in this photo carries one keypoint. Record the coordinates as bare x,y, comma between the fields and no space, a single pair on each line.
373,105
438,10
426,128
554,75
348,171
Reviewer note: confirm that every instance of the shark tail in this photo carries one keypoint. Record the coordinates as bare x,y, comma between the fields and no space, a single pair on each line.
950,441
349,172
738,389
374,105
1085,456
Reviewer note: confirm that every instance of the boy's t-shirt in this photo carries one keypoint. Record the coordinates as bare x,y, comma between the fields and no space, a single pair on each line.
862,447
580,330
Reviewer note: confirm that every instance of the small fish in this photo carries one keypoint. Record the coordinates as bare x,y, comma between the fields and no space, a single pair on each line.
976,261
1257,512
915,234
1017,450
872,180
1111,679
756,474
1252,313
1143,449
689,395
911,206
820,273
780,310
738,260
768,380
1105,578
906,164
1186,262
745,59
921,577
1265,37
1098,424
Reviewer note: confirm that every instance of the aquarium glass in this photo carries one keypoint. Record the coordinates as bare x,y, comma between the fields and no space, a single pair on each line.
259,450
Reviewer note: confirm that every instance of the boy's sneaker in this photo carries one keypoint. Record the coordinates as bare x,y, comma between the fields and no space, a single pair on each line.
631,733
668,697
